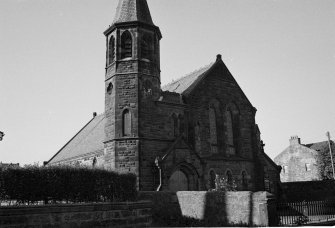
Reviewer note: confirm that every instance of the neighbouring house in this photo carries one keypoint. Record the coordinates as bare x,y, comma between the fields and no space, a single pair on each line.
173,137
304,162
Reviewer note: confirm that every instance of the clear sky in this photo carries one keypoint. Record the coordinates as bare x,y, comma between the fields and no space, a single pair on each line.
52,59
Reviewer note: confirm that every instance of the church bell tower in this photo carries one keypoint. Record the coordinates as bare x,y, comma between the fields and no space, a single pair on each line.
132,81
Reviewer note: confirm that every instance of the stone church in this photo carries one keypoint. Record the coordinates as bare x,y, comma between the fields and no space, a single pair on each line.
173,137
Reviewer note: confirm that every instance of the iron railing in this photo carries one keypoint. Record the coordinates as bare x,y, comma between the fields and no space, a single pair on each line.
298,213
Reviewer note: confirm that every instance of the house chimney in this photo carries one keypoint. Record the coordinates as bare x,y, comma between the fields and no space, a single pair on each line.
295,140
94,114
218,57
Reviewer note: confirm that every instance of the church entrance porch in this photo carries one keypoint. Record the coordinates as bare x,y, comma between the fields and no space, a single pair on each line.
184,178
178,182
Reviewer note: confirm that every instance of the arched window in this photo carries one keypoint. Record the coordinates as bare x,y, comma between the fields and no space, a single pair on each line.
230,131
126,123
229,176
197,137
244,181
110,88
175,125
181,124
148,87
156,48
212,178
146,47
126,45
212,129
111,50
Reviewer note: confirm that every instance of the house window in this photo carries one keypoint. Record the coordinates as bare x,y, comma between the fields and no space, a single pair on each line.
126,123
111,50
308,167
94,162
126,45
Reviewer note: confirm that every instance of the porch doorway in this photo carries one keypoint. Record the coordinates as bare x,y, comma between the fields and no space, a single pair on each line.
178,182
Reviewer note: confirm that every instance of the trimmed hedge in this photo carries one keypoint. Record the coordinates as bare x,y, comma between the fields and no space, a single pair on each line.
70,184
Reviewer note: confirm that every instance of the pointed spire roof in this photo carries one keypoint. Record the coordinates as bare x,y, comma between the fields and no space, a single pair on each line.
133,10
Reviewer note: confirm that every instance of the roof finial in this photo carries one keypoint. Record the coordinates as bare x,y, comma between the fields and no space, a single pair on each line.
218,57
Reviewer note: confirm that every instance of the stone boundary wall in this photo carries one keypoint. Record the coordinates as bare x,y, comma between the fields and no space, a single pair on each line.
216,208
128,214
308,191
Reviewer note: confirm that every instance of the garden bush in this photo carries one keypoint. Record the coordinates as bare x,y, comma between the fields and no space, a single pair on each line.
222,184
33,184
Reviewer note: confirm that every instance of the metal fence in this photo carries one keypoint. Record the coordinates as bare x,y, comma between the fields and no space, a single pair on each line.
305,212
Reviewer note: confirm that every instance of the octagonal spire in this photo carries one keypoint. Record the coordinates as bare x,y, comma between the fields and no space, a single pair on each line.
133,10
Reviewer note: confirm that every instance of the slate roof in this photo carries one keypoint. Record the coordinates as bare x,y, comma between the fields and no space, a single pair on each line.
133,10
88,140
188,81
320,146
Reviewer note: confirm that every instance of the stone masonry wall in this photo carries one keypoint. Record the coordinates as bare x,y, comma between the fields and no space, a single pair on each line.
243,208
254,209
211,88
137,214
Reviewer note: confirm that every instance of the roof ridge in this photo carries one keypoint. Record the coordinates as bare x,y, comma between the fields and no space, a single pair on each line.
190,73
316,142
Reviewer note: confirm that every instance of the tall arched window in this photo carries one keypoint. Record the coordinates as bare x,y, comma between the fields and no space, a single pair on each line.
181,124
175,125
230,131
156,48
126,45
146,47
229,176
110,88
148,87
111,50
197,137
126,123
212,129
